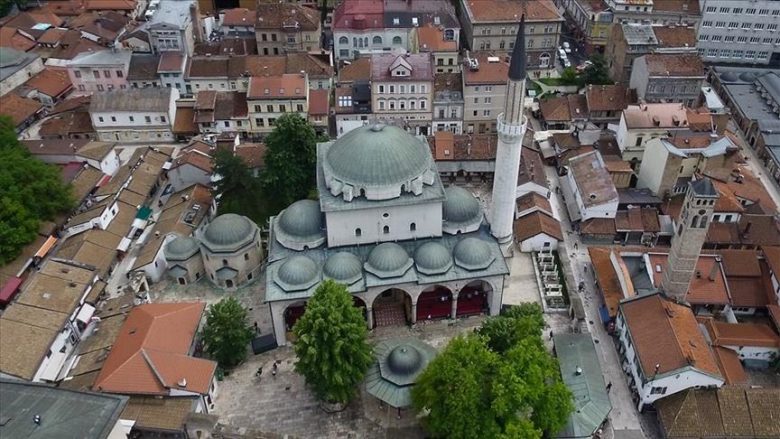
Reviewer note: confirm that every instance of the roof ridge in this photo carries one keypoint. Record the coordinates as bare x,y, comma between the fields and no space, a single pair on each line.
154,369
665,303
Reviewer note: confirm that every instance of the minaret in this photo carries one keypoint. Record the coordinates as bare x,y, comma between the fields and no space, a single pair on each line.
511,129
689,236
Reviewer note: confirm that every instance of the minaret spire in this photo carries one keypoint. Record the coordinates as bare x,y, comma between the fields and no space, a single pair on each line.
517,64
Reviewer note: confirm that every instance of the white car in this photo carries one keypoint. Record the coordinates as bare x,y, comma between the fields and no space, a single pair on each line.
561,53
567,47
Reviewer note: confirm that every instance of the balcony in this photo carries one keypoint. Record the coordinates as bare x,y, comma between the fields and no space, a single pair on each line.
509,129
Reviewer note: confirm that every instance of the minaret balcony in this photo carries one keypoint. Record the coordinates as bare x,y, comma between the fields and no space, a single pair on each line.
505,128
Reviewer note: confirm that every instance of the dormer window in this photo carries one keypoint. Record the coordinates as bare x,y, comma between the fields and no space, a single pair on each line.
396,21
415,22
281,91
266,91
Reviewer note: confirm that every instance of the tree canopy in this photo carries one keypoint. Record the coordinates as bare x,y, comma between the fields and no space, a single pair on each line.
31,191
7,5
290,163
333,354
227,333
238,189
501,372
597,73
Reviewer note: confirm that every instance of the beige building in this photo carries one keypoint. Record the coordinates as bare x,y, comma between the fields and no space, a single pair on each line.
286,27
402,90
433,39
230,246
270,97
484,93
492,24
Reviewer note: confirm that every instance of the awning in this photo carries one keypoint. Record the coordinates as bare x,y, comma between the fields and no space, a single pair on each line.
85,313
144,213
604,313
44,250
9,290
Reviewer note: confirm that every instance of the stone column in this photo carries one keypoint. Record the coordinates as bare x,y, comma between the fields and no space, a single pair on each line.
370,318
414,313
454,313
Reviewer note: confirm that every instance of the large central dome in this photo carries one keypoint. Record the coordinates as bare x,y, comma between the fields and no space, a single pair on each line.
376,156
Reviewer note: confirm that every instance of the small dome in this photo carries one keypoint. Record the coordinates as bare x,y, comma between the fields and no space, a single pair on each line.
297,273
343,267
729,77
377,156
460,205
300,225
228,232
432,258
388,260
181,248
404,360
473,254
748,77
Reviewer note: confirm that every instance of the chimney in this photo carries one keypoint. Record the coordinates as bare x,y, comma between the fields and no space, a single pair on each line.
747,228
656,121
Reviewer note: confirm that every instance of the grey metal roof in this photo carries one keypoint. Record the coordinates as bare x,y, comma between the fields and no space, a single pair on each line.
177,271
226,273
172,12
639,34
473,254
149,99
301,223
343,267
12,60
432,258
63,413
278,254
377,155
228,232
388,259
332,203
704,188
461,208
297,273
581,372
398,364
181,248
106,57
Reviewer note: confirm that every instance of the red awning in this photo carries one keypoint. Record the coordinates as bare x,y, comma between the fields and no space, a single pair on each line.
9,290
103,180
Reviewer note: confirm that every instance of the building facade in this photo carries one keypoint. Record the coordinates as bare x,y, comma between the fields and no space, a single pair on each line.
668,78
448,103
402,90
270,97
738,32
286,27
134,115
592,22
105,70
484,93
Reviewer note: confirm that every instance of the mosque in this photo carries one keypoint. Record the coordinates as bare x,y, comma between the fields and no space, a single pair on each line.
406,247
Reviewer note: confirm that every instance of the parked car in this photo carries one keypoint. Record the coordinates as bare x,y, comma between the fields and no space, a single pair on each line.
561,52
583,66
566,47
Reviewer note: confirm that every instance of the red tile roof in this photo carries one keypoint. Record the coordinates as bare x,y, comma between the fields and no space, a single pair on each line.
708,284
239,17
730,366
510,11
488,73
535,224
51,81
318,101
151,353
741,334
431,39
289,85
20,109
11,37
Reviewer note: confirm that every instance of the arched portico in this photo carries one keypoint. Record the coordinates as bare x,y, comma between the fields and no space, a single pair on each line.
393,306
434,302
292,313
474,298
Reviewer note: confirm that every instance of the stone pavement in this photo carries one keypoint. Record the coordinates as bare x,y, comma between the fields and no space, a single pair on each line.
521,286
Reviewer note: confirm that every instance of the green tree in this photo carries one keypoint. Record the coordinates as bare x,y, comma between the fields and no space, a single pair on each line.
239,191
569,76
31,191
598,72
227,332
7,5
290,160
518,322
503,372
333,354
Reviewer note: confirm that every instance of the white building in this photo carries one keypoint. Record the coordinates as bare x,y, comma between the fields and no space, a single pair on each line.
134,115
740,32
171,27
754,343
16,68
662,349
594,192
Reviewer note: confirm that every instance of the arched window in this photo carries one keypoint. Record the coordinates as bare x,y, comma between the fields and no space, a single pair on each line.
377,40
224,262
343,40
386,230
358,232
695,221
449,35
365,41
703,222
412,227
246,256
354,42
397,40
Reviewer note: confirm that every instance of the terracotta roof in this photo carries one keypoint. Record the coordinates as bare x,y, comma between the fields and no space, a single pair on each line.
607,97
19,109
730,367
185,121
531,200
676,64
531,169
592,179
488,73
645,115
607,279
110,5
314,65
23,346
151,354
486,11
253,154
11,37
740,182
357,70
708,284
598,226
689,6
207,68
239,17
66,124
420,63
51,81
666,334
282,15
741,334
170,62
555,109
772,256
52,35
431,39
289,85
72,103
675,36
537,223
236,47
751,291
774,313
740,262
318,101
196,159
448,146
629,220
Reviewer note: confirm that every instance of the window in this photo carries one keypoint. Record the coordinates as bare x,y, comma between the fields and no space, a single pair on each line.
162,119
401,89
738,53
742,39
704,37
422,88
299,108
658,391
412,227
132,119
750,11
269,108
747,25
422,104
100,118
716,37
737,11
271,121
763,55
100,87
246,256
720,24
386,230
772,26
377,40
706,23
486,112
96,74
282,108
750,54
259,122
755,39
711,9
77,74
729,38
733,25
227,124
107,73
723,10
397,40
392,89
148,119
113,118
725,53
358,232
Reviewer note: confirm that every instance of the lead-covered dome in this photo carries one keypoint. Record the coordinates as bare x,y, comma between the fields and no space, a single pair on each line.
343,267
461,211
181,248
300,225
473,254
388,260
297,273
229,232
378,159
432,258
